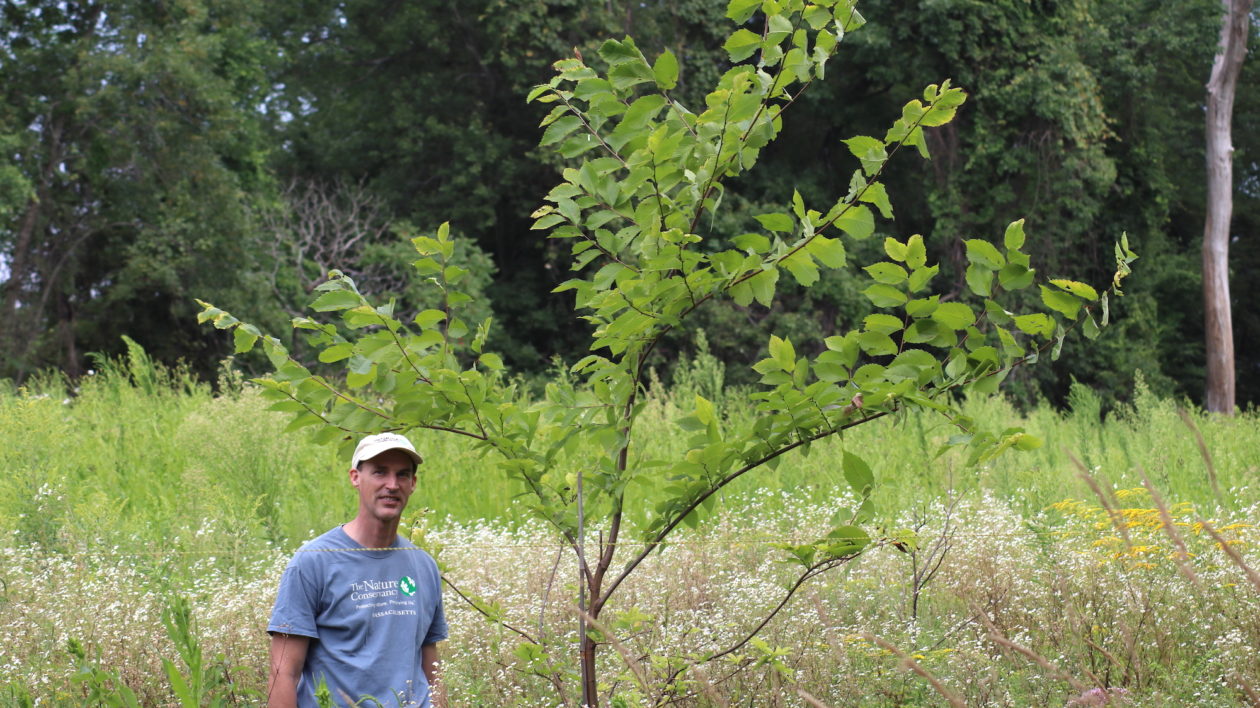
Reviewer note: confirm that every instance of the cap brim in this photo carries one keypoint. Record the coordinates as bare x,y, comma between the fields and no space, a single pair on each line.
372,452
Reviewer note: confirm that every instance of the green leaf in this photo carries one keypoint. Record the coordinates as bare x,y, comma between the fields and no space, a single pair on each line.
666,70
857,221
954,315
336,300
876,343
920,278
885,295
895,249
741,10
1014,276
763,285
1014,238
869,150
980,280
1077,289
887,273
336,353
875,193
1037,324
884,324
427,318
783,353
916,252
984,254
560,130
776,222
243,339
923,307
829,251
858,474
491,361
1064,303
741,45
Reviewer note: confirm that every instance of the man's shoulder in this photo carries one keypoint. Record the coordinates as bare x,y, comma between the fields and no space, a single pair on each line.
316,549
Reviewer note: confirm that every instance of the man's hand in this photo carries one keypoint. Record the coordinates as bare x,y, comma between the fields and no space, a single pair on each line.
288,654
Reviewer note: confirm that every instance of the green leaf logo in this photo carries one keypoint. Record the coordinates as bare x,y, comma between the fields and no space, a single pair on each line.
407,585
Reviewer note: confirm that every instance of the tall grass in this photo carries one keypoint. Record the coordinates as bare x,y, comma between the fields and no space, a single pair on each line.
138,484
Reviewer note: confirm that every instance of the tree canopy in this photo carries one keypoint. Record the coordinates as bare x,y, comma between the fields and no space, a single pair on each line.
149,149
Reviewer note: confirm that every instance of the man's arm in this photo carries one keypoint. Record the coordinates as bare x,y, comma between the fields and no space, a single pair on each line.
429,663
288,654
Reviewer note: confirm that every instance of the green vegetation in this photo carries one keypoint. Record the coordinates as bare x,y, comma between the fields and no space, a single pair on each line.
1085,118
144,486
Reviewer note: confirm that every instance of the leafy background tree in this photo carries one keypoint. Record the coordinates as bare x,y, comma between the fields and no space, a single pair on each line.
148,146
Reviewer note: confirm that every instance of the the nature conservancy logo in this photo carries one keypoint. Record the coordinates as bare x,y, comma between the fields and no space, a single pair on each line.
407,585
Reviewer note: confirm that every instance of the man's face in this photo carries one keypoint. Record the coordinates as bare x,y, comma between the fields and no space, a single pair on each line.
385,483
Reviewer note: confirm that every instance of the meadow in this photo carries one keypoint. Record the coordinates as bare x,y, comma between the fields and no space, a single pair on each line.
146,520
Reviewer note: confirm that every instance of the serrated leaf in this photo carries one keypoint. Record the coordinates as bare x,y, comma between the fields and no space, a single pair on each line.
984,254
666,70
829,251
980,280
885,295
491,361
1014,237
1077,289
884,324
858,474
954,315
916,252
1037,324
857,221
887,273
895,249
336,300
870,151
1014,276
921,277
741,10
876,343
741,45
776,222
243,339
1064,303
875,193
426,319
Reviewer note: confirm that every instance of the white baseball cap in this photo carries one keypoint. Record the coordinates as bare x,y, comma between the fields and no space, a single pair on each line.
373,445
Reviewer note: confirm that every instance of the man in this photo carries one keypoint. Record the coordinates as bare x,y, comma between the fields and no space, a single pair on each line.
360,608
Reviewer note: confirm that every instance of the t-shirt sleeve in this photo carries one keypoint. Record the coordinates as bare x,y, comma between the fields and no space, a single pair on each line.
437,627
296,601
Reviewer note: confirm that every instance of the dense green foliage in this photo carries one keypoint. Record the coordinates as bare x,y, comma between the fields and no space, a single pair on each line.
1085,117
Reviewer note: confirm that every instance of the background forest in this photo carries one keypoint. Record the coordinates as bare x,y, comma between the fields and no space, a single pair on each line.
235,150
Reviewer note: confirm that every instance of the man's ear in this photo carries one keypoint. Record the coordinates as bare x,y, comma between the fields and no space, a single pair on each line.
354,477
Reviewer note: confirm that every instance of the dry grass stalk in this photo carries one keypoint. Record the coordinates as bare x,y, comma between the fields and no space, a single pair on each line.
909,662
1248,690
1117,519
1233,554
1203,450
707,687
995,635
1170,529
810,699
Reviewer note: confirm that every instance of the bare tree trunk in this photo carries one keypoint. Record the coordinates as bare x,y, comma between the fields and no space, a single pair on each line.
1218,321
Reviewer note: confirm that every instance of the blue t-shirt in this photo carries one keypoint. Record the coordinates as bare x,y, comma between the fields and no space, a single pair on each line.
368,612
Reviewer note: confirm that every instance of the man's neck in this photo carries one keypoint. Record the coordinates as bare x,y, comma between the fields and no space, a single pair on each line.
371,533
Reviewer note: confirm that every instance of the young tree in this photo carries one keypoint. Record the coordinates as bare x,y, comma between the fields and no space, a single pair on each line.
1218,322
648,173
